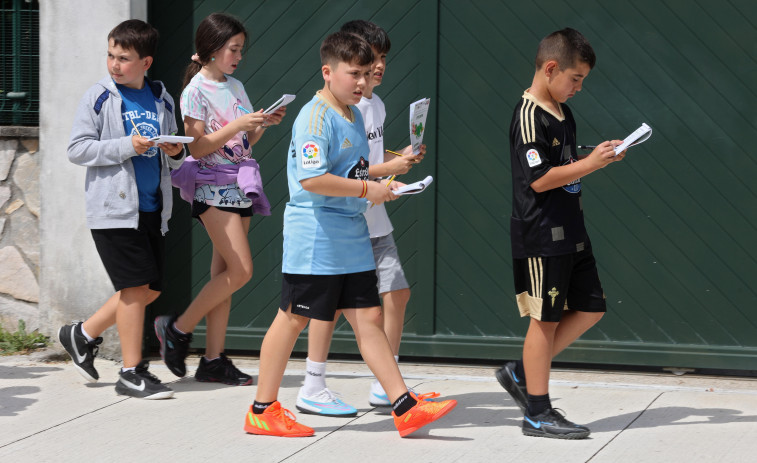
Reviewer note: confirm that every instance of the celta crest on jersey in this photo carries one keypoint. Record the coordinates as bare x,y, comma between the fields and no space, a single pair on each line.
575,185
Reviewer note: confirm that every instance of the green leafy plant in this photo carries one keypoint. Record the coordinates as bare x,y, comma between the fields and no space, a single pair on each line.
21,341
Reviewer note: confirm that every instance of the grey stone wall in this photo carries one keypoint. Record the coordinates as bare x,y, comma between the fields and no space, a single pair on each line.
19,232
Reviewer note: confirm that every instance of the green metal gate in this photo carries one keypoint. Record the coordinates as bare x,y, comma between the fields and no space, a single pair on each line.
671,226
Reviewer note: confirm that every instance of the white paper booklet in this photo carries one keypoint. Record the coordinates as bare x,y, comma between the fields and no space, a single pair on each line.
414,188
639,135
418,113
171,139
283,101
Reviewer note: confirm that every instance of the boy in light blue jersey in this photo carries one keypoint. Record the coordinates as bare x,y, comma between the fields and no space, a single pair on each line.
328,260
326,235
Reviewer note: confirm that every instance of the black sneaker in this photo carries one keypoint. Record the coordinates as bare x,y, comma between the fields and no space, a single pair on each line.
553,424
82,352
174,346
221,370
515,386
142,384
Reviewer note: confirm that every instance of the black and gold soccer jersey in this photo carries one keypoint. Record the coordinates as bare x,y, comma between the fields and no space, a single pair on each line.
550,223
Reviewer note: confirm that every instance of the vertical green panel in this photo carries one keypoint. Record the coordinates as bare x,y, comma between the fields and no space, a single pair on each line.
671,226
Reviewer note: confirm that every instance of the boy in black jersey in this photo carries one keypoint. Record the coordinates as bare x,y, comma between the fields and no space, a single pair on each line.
556,281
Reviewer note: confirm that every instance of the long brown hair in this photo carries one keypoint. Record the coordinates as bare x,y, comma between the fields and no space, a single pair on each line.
212,34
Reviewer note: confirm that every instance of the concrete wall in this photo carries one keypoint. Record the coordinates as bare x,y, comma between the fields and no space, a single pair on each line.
73,47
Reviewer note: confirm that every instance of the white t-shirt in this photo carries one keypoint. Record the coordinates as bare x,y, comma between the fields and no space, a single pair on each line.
374,114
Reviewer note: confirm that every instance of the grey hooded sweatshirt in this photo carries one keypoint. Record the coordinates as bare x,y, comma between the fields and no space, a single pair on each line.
99,142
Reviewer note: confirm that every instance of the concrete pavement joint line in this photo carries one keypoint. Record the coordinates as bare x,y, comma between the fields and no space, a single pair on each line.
327,434
64,422
626,427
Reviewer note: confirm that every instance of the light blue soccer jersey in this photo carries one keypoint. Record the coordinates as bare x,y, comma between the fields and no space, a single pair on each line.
326,235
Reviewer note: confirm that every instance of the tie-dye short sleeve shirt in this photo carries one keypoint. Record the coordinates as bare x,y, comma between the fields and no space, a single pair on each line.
217,104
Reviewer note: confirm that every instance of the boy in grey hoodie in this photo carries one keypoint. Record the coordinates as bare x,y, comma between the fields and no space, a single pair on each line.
128,200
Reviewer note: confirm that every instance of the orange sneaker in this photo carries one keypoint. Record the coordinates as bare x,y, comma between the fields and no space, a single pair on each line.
422,413
275,421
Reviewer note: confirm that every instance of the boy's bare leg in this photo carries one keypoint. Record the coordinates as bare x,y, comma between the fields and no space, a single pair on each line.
374,347
275,351
130,320
320,333
217,319
537,355
105,317
572,325
394,304
229,236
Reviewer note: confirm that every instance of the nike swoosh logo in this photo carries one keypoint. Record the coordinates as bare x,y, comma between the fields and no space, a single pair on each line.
141,386
537,425
79,358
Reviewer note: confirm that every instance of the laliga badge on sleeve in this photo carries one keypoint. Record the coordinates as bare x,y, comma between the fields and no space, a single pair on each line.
533,158
310,155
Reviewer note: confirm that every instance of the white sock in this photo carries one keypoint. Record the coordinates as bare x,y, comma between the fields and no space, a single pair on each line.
315,377
128,369
86,335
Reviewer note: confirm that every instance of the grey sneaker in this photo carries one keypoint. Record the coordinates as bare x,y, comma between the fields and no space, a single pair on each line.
82,352
142,384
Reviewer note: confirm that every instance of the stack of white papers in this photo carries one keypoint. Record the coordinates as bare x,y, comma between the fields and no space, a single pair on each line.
414,188
639,135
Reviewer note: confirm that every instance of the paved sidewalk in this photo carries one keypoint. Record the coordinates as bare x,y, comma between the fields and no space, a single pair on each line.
48,413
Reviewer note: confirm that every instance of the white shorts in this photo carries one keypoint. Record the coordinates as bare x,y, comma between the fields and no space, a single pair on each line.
389,271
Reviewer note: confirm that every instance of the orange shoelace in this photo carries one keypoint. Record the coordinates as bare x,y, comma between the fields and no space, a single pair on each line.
428,395
286,416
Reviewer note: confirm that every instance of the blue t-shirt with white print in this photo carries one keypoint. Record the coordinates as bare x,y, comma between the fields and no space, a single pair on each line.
138,109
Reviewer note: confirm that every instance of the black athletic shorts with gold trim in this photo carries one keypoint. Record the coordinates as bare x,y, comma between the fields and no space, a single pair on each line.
320,296
547,286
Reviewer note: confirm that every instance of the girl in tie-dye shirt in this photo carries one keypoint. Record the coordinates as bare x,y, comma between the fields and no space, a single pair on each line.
218,114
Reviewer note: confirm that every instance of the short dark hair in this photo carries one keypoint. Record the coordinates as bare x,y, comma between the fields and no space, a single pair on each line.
136,35
370,32
212,34
345,47
567,47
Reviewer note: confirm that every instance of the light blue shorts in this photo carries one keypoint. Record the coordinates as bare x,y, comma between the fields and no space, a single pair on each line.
388,266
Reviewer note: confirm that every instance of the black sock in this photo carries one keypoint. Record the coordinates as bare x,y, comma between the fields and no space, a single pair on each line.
258,408
519,371
403,404
538,404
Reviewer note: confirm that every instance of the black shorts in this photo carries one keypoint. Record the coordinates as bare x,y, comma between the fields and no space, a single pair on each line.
547,286
200,208
320,296
132,257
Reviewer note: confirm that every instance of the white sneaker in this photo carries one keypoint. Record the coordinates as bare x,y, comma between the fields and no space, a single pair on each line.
324,403
377,396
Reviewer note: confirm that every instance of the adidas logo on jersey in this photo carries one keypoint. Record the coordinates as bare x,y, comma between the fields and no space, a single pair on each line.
555,142
346,144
